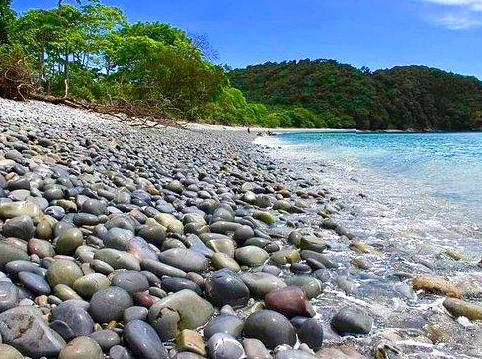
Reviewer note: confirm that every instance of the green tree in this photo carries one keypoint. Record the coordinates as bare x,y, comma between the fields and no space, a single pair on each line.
7,16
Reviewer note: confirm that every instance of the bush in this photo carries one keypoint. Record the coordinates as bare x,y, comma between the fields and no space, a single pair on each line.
16,79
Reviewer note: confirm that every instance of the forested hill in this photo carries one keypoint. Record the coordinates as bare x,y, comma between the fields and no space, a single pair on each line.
411,97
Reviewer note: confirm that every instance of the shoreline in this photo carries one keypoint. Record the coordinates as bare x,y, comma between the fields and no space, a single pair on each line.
155,215
278,130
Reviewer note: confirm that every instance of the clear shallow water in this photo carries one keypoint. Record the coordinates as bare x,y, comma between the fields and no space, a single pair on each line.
414,196
419,186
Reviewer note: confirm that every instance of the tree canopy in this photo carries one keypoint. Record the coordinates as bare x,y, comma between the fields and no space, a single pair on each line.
343,96
85,50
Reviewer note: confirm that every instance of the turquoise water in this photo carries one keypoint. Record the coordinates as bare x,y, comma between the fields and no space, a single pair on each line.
422,191
443,165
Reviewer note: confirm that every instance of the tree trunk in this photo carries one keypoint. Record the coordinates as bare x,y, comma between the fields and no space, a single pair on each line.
66,74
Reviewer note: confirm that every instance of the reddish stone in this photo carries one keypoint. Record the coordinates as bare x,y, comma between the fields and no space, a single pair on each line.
143,299
289,301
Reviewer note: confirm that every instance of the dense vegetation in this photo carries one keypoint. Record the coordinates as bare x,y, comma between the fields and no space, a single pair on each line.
340,95
89,52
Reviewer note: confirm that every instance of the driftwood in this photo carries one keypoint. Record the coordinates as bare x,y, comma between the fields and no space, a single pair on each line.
138,114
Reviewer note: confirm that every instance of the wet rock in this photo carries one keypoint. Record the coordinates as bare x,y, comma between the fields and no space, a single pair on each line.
10,210
120,352
109,304
224,346
9,296
294,354
40,248
82,348
184,259
460,308
135,313
255,349
261,283
352,320
9,352
107,339
63,271
436,285
131,281
9,253
312,243
271,327
286,256
310,285
161,269
221,260
225,287
34,282
70,321
87,285
225,323
118,259
68,241
311,333
143,341
19,227
190,341
24,329
289,301
193,311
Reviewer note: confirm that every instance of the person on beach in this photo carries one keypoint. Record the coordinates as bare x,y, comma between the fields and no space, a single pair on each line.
249,130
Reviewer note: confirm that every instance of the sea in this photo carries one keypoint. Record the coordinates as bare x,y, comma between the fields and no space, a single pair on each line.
416,196
413,185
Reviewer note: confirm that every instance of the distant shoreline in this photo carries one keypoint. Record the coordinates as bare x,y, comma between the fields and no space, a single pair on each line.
277,131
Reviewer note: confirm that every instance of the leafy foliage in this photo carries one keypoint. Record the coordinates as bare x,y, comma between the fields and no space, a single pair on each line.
343,96
7,16
88,51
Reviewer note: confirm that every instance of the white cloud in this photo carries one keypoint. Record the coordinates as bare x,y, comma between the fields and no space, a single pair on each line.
473,5
458,21
463,14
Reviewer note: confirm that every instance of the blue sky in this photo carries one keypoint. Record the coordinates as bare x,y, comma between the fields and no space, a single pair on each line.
374,33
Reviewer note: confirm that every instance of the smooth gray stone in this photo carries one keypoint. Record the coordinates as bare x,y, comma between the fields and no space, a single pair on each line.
225,287
161,269
294,354
351,321
143,341
9,296
188,355
35,283
16,267
135,313
228,324
141,249
120,352
311,333
261,283
131,281
184,259
118,238
224,346
173,284
255,349
271,327
94,206
193,310
72,316
19,227
9,253
106,339
24,329
109,304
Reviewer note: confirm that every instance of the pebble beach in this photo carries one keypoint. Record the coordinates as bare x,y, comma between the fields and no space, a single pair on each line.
124,242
